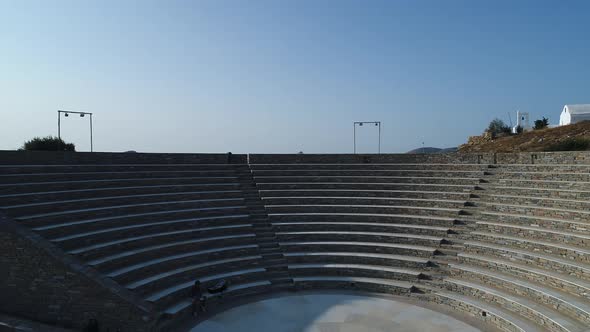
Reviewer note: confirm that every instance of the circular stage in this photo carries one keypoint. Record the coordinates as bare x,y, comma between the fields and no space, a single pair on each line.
331,313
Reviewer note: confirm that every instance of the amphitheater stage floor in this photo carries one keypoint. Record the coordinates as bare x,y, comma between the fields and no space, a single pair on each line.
331,313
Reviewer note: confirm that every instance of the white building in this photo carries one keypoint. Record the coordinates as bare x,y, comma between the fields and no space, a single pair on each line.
522,121
574,113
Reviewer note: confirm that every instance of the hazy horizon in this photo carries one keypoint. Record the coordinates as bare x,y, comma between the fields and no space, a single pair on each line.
285,76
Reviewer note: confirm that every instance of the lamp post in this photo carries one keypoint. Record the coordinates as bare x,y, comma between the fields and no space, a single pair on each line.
66,114
360,124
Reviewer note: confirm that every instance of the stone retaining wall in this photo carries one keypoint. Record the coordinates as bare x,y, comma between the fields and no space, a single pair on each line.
39,282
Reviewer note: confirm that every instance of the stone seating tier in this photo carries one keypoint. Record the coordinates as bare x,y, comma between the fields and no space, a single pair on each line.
505,243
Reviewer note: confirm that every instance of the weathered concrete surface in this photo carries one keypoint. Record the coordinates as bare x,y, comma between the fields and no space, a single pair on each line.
333,313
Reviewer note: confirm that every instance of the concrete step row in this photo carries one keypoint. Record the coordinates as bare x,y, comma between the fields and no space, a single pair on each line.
559,237
260,180
407,219
98,193
555,168
574,226
574,184
530,259
35,187
568,311
262,174
549,319
35,169
107,202
539,274
366,193
369,166
542,176
558,250
536,211
486,312
527,200
356,186
83,219
6,179
360,227
577,194
363,209
367,201
107,257
158,231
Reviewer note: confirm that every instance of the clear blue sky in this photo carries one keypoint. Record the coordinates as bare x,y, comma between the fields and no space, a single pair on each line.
284,76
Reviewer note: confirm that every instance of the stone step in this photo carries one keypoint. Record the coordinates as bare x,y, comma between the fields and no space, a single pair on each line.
366,186
361,201
28,187
360,237
536,211
572,306
548,318
565,282
363,209
367,179
573,193
368,166
558,175
156,232
121,229
562,237
354,270
360,226
534,258
66,168
183,305
357,247
263,174
168,278
23,208
132,217
98,193
555,249
164,298
109,260
354,283
487,312
358,258
366,193
53,177
549,184
534,221
133,272
530,200
364,217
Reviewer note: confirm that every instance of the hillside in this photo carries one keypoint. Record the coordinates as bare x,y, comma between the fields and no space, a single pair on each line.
531,141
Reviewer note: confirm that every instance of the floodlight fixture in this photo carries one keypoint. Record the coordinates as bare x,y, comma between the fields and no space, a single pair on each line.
66,114
360,124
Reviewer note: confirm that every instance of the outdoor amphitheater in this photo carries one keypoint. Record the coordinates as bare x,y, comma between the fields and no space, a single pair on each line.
295,242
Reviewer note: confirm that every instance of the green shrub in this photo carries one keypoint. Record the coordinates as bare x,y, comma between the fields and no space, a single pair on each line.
571,144
543,123
498,126
48,143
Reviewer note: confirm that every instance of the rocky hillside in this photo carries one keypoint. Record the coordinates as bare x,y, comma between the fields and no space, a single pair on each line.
550,139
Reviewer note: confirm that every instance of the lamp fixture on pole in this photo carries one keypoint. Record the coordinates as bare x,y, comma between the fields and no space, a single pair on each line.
67,114
360,124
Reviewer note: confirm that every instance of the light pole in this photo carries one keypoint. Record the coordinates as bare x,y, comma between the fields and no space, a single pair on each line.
360,124
66,114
